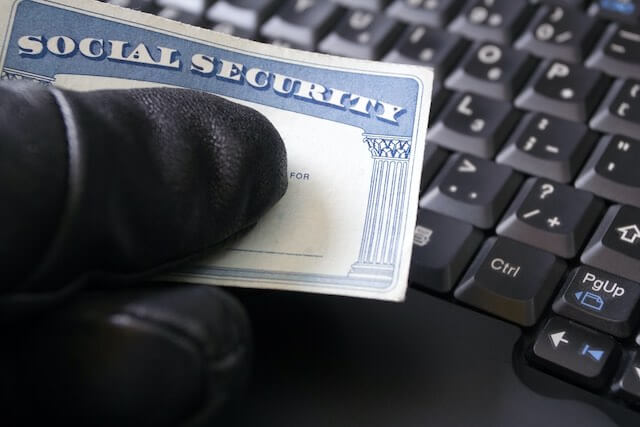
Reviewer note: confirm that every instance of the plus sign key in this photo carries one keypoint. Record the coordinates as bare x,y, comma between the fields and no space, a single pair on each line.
473,190
551,216
578,353
568,91
511,280
615,246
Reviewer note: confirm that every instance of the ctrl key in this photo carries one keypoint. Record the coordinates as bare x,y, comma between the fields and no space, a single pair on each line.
580,354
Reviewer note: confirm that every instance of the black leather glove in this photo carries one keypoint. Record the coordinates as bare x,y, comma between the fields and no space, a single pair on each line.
99,190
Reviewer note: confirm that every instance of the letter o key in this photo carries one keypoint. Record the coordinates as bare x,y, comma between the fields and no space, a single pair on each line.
489,54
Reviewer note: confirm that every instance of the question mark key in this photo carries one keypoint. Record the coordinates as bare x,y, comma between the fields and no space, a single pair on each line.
551,216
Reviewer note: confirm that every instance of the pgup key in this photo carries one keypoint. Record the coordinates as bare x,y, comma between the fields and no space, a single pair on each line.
601,300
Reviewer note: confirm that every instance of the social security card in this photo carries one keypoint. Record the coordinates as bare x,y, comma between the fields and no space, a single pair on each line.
354,132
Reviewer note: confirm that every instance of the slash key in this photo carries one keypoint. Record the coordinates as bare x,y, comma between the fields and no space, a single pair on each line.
551,216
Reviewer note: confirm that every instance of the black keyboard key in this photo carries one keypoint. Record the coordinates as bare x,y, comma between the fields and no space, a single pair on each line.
576,352
493,20
421,45
510,280
548,147
618,52
492,70
434,157
228,28
574,4
601,300
247,15
612,170
551,216
615,246
194,7
361,34
620,111
564,90
372,5
559,32
180,15
142,5
618,10
301,23
471,189
628,386
474,124
442,248
439,96
434,13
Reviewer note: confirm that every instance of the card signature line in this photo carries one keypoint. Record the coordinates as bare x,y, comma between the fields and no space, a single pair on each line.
276,253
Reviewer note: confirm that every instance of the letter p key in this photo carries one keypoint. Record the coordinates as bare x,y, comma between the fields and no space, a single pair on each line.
557,69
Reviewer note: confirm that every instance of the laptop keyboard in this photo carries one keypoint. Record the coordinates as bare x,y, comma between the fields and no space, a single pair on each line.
530,205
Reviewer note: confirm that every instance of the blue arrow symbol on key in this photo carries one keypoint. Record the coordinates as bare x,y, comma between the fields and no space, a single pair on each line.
579,295
595,354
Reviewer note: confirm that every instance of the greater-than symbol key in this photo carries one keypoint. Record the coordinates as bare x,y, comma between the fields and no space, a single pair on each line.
472,190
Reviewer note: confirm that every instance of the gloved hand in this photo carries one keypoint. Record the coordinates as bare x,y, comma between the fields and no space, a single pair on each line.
98,190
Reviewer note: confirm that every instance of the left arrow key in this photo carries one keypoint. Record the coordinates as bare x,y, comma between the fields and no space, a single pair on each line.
579,354
558,338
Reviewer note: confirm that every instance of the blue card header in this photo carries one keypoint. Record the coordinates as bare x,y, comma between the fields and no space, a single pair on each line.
46,40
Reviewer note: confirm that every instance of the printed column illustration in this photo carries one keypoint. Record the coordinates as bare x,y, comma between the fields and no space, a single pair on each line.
385,208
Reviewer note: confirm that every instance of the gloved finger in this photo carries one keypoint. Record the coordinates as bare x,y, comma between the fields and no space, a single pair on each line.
168,356
123,182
